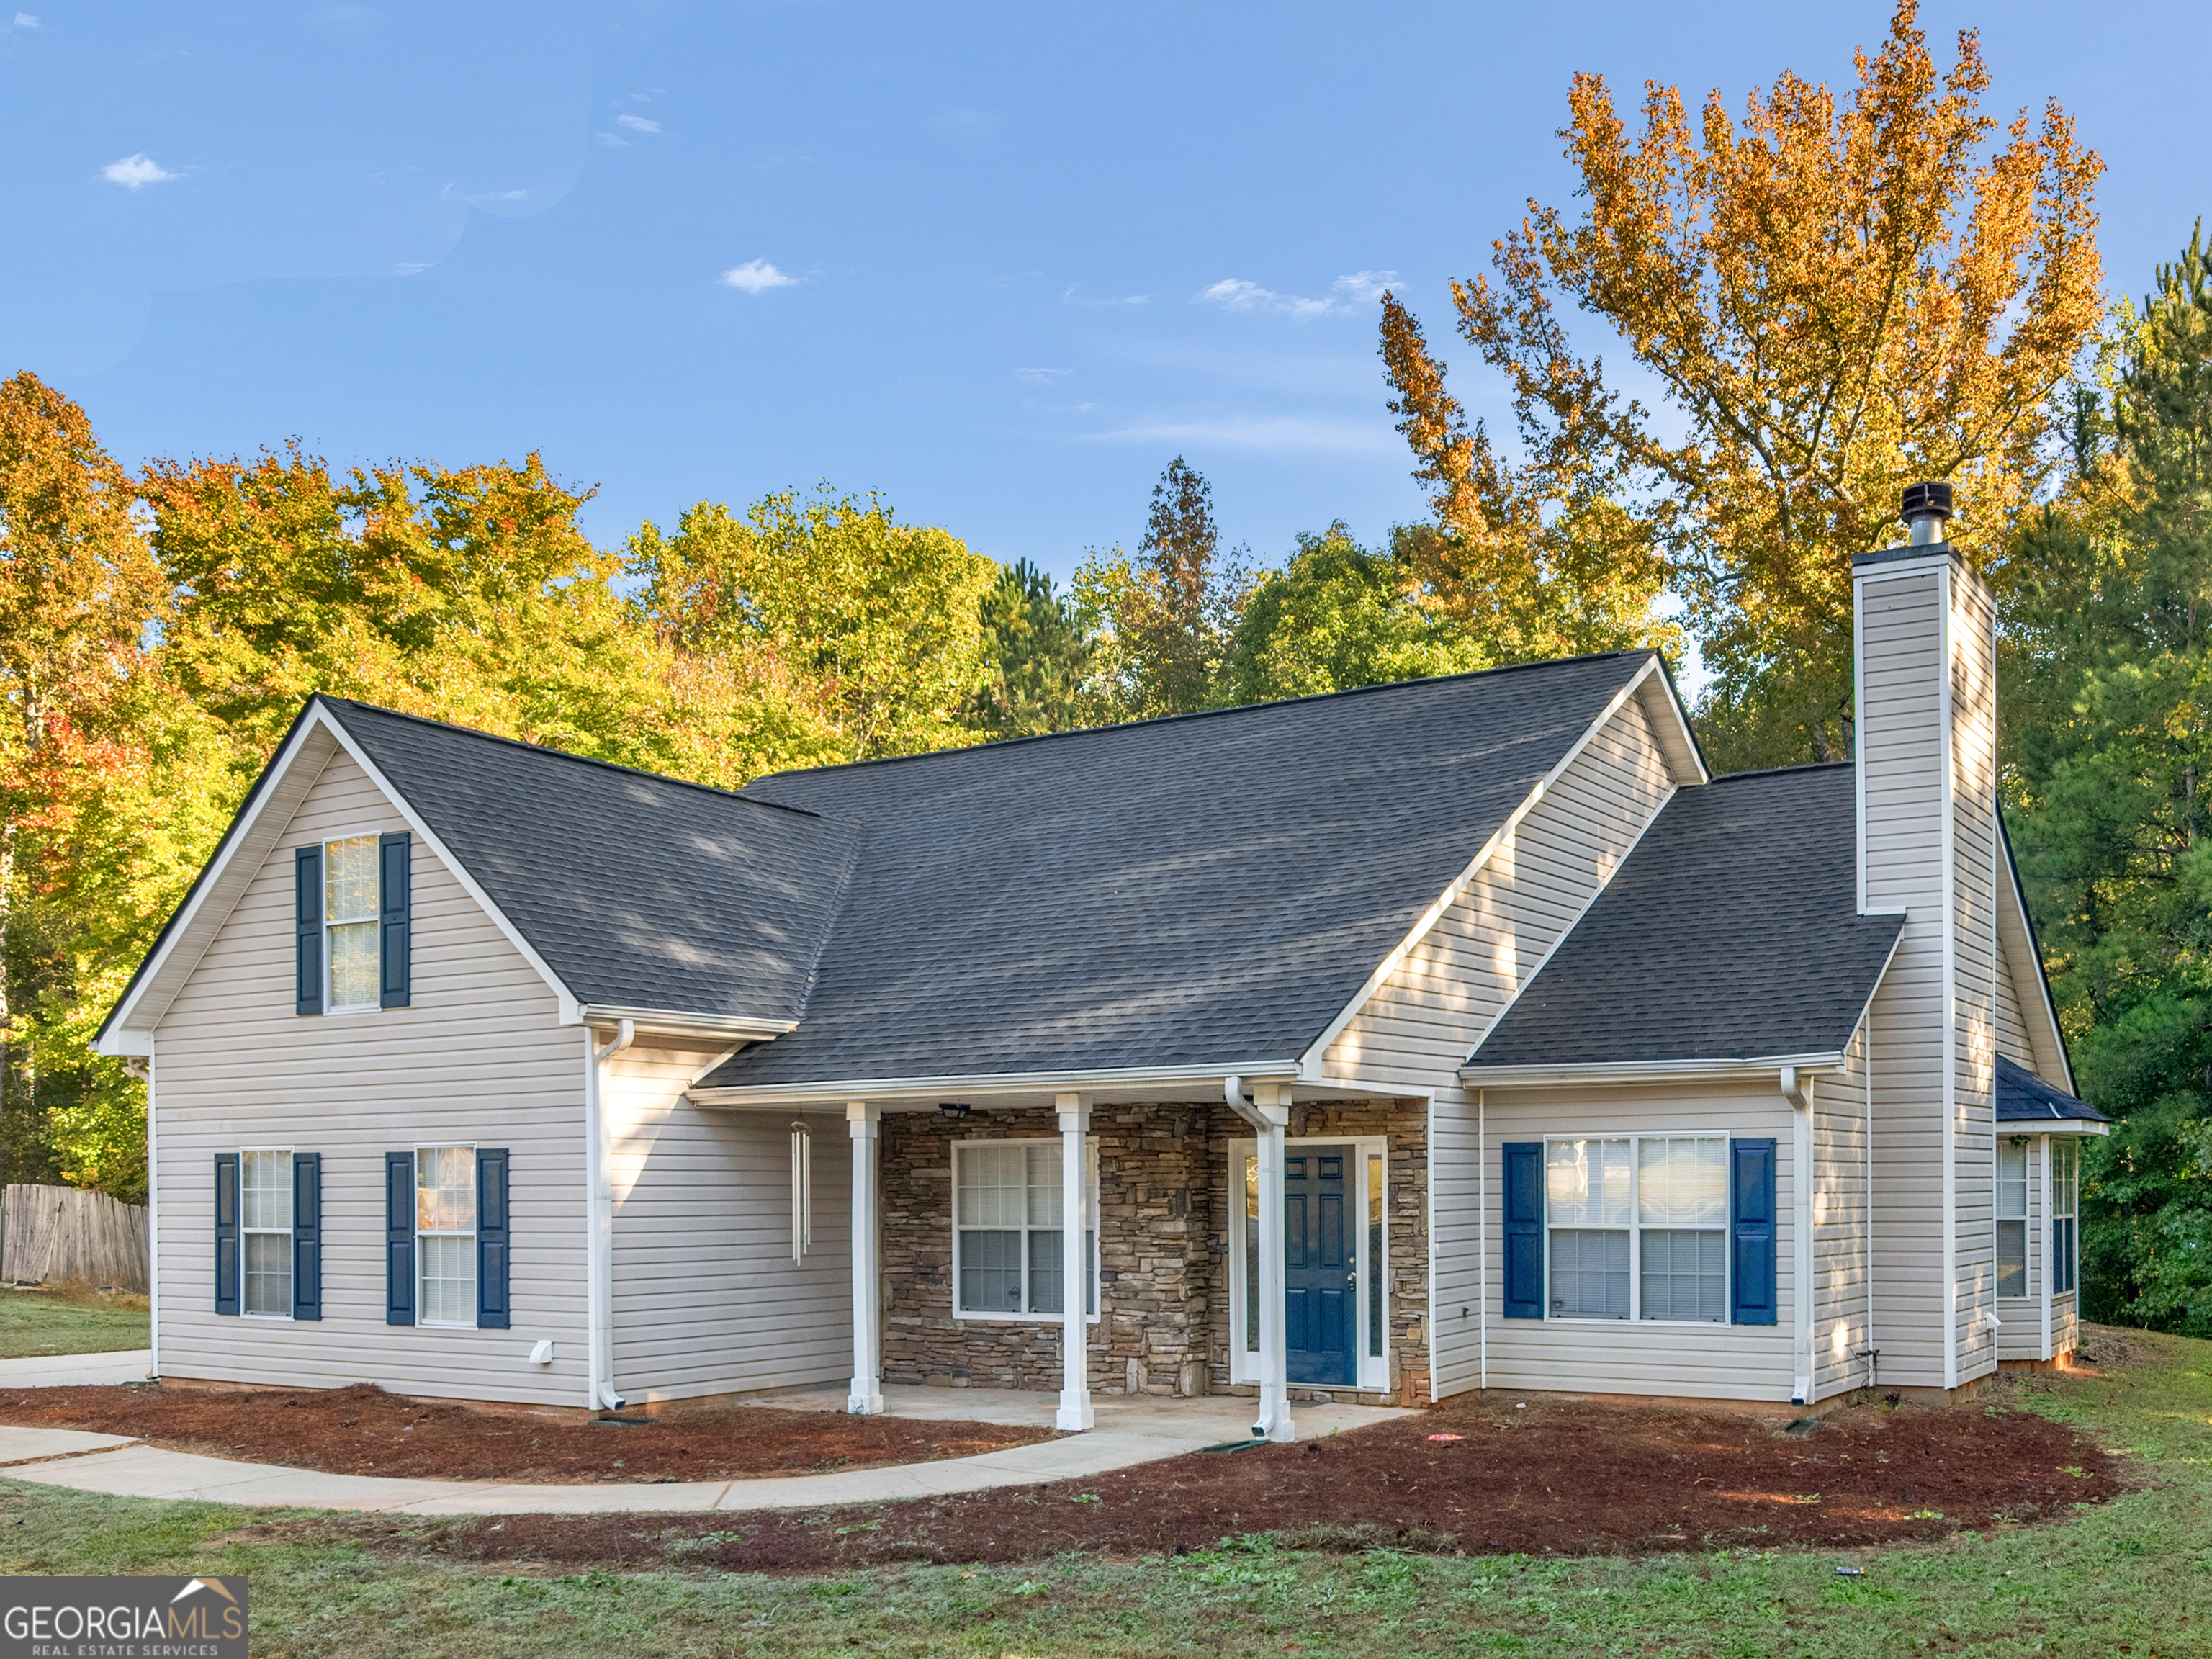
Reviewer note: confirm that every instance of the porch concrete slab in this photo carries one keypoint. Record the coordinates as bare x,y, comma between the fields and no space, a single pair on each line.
137,1471
20,1445
76,1371
1205,1420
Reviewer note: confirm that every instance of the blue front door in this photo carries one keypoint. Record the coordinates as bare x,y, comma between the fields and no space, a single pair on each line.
1320,1266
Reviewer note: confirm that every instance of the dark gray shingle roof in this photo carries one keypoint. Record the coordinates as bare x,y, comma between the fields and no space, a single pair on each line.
1207,889
2022,1097
638,890
1731,932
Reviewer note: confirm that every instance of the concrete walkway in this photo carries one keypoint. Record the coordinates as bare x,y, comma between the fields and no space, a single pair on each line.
75,1371
1129,1432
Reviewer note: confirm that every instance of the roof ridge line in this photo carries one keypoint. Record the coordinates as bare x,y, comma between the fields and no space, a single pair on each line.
1775,771
339,704
1203,713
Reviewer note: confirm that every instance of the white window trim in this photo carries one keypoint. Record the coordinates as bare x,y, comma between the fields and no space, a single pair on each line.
421,1322
1098,1250
292,1258
330,1006
2073,1214
1373,1370
1635,1229
2031,1284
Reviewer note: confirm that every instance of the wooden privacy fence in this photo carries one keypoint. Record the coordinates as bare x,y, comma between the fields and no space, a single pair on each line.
49,1234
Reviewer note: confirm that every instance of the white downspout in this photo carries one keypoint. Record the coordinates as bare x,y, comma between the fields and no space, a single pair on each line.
1800,1096
1269,1118
600,1222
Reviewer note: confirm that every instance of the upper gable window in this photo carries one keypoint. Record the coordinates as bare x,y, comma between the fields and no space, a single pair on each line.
352,923
349,909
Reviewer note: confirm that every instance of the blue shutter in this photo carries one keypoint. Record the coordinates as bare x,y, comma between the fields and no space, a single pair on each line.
306,1235
308,928
395,927
226,1232
491,1239
400,1238
1524,1230
1752,1298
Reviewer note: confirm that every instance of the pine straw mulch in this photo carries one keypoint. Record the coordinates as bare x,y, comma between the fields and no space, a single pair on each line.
1553,1475
363,1431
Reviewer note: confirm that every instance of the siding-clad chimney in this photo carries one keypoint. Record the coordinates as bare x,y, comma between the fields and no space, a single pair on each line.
1925,649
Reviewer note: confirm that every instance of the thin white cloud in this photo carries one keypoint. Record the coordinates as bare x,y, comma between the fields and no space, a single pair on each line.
135,172
1042,376
1069,297
25,21
1356,291
409,268
1279,433
756,276
614,140
637,124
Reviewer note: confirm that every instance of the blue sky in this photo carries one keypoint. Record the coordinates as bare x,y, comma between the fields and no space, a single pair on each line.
998,261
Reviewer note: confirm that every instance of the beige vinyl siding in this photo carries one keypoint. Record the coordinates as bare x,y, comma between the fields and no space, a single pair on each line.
477,1060
1701,1361
1840,1310
1901,738
1422,1021
2012,1029
1974,838
2065,1323
1427,1016
707,1298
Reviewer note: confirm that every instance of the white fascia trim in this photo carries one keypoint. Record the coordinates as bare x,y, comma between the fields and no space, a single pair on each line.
1310,1064
1647,1070
2055,1125
2009,889
668,1022
119,1038
888,1090
571,1010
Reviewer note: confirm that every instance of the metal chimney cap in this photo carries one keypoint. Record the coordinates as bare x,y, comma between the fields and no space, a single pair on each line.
1926,500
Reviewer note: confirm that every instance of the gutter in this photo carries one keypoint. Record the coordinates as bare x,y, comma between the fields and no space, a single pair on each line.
669,1021
1798,1092
1652,1071
892,1089
599,1221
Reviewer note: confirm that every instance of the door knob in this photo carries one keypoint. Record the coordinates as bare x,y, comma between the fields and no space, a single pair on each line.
1351,1278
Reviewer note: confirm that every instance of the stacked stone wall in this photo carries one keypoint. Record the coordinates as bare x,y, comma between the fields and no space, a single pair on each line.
1163,1193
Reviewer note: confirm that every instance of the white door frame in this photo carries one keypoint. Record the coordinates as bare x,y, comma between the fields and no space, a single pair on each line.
1373,1370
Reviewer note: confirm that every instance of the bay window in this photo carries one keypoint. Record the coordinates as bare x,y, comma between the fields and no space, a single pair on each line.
2012,1216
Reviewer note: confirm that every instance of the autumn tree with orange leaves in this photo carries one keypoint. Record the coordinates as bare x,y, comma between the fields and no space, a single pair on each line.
1839,294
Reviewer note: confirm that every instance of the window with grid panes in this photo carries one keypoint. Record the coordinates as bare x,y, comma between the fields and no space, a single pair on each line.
446,1235
265,1206
1006,1208
1637,1227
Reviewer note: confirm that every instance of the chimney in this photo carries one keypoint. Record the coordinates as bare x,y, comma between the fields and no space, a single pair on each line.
1928,846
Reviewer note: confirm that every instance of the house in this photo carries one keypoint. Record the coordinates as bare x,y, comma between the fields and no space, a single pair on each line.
1432,1036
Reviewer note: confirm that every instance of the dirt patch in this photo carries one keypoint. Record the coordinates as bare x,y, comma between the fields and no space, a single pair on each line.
2107,1346
363,1431
1560,1477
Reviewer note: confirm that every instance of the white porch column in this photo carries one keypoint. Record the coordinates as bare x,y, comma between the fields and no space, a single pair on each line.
1271,1107
866,1122
1075,1413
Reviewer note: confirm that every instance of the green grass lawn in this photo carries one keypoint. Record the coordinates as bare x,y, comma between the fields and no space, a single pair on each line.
47,1322
2131,1576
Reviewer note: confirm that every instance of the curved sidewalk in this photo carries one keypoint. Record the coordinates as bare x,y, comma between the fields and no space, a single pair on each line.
128,1468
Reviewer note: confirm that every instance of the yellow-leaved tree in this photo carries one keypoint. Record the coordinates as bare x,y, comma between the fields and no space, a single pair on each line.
1837,295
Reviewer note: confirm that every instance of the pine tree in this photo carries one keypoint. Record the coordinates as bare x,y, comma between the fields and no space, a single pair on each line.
1040,645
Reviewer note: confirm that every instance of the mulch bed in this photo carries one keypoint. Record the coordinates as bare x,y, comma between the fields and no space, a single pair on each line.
1558,1476
363,1431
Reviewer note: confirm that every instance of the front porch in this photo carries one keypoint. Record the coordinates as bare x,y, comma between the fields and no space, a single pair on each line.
1189,1424
1274,1255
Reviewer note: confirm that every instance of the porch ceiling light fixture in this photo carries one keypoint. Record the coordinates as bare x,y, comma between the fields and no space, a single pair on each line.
955,1109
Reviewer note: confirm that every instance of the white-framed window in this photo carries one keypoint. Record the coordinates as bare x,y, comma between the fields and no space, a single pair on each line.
353,965
2012,1215
446,1235
1636,1227
2065,1207
1006,1231
1367,1175
264,1219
